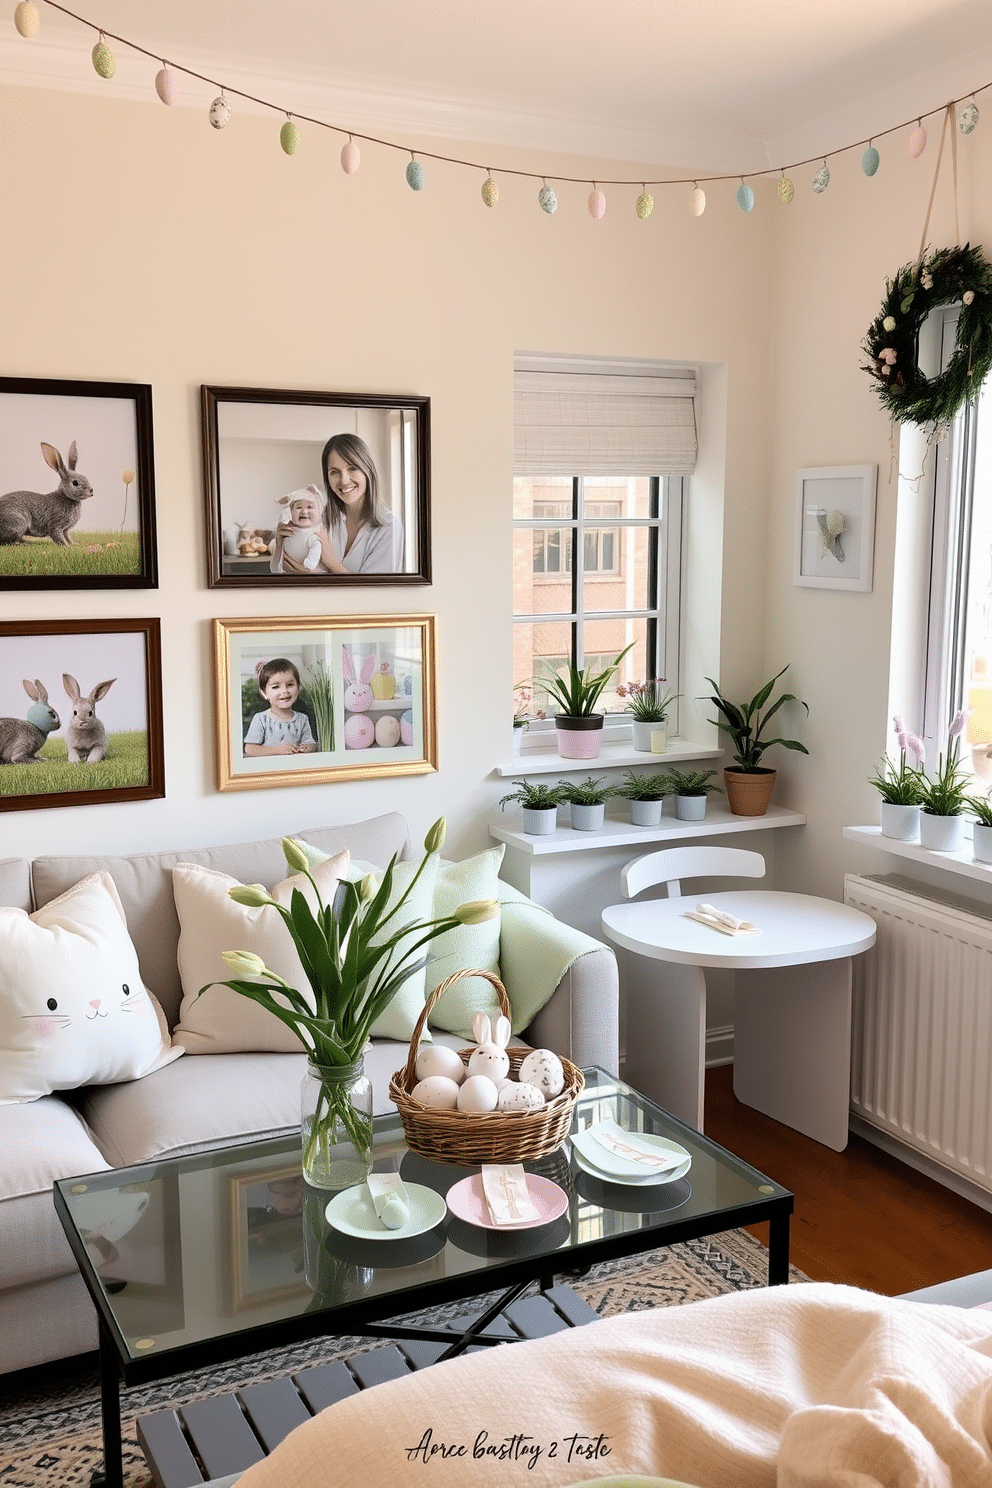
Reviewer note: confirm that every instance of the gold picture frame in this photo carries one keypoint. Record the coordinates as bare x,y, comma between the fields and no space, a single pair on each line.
360,700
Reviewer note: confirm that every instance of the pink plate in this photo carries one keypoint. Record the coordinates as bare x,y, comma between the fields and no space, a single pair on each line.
467,1201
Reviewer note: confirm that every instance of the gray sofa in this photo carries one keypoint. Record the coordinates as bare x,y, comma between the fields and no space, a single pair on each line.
199,1101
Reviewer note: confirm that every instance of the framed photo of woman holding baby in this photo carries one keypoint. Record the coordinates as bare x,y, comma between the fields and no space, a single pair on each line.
315,488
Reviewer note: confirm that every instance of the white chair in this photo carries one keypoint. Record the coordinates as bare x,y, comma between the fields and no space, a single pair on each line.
792,1030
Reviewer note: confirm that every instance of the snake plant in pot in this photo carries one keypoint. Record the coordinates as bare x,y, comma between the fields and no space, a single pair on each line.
750,784
577,690
355,952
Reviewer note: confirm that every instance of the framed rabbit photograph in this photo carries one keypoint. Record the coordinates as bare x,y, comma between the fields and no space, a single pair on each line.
315,488
77,485
316,699
80,713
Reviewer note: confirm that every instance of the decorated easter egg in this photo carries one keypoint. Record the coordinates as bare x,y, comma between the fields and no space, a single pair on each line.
822,179
387,731
697,202
351,157
490,192
437,1091
359,732
870,161
415,178
26,18
103,60
644,205
406,728
597,203
408,685
967,119
917,142
745,197
220,112
785,190
543,1068
166,86
547,200
478,1094
289,137
394,1213
519,1097
438,1059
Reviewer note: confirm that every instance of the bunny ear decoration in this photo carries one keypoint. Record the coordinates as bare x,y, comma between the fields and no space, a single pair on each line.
482,1028
368,667
347,665
501,1033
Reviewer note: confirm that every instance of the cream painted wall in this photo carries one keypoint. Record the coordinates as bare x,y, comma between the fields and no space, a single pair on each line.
138,244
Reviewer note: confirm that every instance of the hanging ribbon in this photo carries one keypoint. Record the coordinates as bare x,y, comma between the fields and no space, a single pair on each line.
947,126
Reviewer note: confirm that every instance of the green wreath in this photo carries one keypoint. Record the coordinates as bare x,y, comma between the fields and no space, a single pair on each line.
945,277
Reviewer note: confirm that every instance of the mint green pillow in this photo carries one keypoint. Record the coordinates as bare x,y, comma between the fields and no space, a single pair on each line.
475,946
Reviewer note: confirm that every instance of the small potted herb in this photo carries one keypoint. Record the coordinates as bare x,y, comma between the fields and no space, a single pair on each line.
749,783
587,799
944,795
648,704
982,839
646,794
690,789
576,691
539,804
901,788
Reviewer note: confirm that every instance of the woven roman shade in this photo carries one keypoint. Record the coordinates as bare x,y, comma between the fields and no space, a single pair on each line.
591,423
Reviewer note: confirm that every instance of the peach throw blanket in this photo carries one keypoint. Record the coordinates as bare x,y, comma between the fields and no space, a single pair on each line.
809,1386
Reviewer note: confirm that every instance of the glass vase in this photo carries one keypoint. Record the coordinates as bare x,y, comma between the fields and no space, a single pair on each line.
336,1125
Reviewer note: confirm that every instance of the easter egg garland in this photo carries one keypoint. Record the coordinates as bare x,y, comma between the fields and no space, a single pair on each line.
891,346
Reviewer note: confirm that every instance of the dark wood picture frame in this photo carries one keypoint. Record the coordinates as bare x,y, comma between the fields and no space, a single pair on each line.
100,432
261,444
125,652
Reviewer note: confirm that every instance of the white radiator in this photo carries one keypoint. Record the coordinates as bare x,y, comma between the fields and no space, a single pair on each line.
921,1048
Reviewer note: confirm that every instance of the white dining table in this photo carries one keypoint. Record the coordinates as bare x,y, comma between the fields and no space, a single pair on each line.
792,1022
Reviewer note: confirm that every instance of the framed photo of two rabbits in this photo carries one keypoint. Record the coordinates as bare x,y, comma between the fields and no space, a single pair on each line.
310,700
77,485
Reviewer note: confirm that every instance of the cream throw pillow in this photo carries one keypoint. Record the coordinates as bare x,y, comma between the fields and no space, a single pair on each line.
73,1008
475,946
222,1021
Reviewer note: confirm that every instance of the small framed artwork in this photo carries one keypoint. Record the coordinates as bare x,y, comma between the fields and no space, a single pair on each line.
835,527
77,485
80,713
310,700
315,488
267,1251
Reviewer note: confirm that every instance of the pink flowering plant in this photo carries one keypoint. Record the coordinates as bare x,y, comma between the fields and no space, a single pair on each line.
647,702
902,784
945,792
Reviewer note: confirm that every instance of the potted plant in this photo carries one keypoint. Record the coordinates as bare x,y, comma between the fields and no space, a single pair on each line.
355,962
749,783
577,690
587,799
901,788
944,795
648,705
982,838
539,803
690,789
523,697
645,794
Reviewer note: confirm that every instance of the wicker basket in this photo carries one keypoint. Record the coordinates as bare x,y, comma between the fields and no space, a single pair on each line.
470,1138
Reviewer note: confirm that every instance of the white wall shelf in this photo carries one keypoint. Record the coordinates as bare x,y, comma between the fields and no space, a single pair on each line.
959,863
613,756
719,820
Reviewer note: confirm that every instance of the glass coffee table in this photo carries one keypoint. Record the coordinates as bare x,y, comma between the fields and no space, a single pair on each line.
193,1261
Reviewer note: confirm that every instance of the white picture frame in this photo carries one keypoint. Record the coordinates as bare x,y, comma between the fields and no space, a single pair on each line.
835,527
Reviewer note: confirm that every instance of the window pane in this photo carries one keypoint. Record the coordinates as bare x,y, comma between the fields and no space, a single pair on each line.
542,566
604,640
534,645
623,579
628,496
529,493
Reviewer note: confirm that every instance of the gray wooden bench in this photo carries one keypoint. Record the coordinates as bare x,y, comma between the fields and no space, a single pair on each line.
224,1435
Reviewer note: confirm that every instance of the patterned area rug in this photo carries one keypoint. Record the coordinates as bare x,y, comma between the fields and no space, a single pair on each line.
50,1417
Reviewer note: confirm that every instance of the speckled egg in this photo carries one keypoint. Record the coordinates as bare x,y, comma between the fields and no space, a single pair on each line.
543,1068
697,202
219,113
917,142
289,137
745,197
387,731
103,60
870,161
351,157
166,86
438,1059
406,728
26,18
597,203
359,732
547,200
415,178
785,190
490,192
519,1097
644,205
437,1091
822,179
477,1094
967,119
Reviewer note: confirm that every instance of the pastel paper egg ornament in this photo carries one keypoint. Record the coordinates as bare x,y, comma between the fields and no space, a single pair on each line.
547,200
967,119
103,59
351,157
490,192
406,728
697,202
289,137
415,177
26,18
166,85
644,204
745,197
870,161
917,142
597,203
785,190
219,113
822,179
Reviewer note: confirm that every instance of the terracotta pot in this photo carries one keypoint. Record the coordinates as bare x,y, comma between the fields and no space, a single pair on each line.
748,791
579,737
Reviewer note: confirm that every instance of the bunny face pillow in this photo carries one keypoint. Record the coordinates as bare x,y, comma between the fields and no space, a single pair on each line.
73,1008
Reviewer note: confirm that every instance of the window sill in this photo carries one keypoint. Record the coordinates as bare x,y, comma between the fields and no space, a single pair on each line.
719,821
614,755
959,863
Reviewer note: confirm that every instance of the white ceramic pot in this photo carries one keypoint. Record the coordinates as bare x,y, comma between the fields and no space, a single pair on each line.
588,818
579,738
941,833
982,843
900,822
646,813
540,822
518,739
690,808
642,735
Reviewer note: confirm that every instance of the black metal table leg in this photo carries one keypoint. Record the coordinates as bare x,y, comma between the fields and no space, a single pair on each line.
778,1250
112,1475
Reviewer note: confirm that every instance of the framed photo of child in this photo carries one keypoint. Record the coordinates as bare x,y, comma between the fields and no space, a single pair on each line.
315,488
313,699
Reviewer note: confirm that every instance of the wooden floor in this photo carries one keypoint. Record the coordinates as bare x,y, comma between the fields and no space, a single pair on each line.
861,1216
